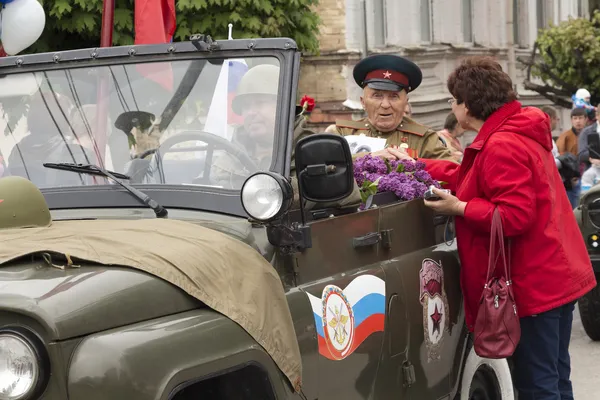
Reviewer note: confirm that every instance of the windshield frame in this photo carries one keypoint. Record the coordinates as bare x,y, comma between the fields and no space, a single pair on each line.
203,198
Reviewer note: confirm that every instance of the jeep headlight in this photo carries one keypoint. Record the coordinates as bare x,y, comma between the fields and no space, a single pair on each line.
266,195
19,367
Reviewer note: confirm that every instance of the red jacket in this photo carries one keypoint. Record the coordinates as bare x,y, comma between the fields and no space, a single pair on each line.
509,164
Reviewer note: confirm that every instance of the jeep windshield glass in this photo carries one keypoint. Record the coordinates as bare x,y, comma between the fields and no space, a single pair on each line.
187,122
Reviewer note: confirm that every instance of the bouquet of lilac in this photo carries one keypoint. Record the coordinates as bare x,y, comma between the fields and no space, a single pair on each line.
408,180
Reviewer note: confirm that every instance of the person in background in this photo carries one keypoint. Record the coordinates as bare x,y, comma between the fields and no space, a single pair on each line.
510,167
590,178
408,110
584,155
567,143
581,99
554,118
450,134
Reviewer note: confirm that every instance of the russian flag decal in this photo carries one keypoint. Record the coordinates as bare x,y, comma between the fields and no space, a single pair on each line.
345,318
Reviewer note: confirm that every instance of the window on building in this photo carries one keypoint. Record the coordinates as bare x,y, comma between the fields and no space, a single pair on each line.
426,20
380,25
544,10
467,19
516,36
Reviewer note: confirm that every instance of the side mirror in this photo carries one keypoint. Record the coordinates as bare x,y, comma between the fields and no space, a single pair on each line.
324,167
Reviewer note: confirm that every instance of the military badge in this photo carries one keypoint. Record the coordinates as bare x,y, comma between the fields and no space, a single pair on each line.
338,322
435,306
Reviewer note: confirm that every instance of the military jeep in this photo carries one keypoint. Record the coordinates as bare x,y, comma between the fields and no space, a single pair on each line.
132,271
587,214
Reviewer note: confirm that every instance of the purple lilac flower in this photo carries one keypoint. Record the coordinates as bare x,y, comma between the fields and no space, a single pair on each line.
409,166
409,184
405,191
420,188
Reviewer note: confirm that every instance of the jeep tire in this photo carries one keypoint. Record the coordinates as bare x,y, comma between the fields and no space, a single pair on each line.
486,379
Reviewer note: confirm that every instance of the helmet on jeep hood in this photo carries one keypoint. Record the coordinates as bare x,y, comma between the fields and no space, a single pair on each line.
22,204
259,80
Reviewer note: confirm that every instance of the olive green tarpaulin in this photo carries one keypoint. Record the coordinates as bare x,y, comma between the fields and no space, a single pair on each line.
225,274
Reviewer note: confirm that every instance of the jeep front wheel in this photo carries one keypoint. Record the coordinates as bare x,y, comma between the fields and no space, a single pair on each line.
486,379
589,309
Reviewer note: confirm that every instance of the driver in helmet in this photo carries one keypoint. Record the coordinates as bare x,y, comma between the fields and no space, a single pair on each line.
256,102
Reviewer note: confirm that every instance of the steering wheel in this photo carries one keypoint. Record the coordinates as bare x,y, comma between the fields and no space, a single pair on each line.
213,142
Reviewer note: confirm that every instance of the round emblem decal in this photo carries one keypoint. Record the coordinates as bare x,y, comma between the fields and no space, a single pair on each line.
338,322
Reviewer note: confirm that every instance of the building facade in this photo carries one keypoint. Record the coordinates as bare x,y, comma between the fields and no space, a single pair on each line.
436,35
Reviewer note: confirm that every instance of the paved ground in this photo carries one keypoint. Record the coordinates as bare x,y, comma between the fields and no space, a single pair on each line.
585,363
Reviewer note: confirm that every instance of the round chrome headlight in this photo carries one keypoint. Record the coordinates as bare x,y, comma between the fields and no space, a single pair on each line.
266,196
19,367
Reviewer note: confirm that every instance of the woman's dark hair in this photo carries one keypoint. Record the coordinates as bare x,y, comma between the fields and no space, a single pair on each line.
480,83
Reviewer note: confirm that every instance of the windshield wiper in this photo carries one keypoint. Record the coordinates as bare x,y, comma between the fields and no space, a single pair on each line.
91,169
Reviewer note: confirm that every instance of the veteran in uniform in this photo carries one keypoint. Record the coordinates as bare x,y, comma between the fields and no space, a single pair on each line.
386,81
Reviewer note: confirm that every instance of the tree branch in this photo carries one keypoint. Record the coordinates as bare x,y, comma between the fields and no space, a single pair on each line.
548,92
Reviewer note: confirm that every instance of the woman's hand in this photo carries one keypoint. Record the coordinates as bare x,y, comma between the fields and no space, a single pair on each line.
447,205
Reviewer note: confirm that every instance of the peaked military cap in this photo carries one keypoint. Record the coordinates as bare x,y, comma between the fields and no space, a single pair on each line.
387,72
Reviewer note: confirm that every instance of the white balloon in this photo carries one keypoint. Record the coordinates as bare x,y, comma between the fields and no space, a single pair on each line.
22,24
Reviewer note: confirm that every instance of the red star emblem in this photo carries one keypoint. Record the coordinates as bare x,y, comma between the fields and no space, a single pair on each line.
436,317
387,75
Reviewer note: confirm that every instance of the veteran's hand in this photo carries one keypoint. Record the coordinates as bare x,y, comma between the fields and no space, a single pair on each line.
385,153
447,204
400,154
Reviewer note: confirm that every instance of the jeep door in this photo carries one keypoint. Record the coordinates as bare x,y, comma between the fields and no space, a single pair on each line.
342,277
424,320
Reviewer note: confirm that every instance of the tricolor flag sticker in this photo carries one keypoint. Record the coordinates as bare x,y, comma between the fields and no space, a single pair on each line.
346,317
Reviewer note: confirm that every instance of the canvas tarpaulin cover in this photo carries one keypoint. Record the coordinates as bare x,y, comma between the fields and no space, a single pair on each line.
225,274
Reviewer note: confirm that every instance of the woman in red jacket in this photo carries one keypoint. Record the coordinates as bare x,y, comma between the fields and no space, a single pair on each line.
509,165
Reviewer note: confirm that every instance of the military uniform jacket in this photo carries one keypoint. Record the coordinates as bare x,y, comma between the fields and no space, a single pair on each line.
422,141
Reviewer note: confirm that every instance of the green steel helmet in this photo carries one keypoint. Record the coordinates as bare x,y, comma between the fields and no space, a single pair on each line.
259,80
22,204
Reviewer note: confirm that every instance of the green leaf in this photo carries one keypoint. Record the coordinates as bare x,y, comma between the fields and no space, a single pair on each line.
388,165
60,8
400,167
72,24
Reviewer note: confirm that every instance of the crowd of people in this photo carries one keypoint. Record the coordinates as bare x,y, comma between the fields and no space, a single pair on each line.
577,157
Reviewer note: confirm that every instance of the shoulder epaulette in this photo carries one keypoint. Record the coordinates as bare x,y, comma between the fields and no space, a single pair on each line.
362,124
411,126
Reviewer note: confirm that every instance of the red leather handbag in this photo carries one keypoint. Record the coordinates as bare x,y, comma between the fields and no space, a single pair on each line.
497,327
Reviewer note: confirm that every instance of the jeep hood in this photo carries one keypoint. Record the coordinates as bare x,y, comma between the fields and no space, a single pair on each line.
79,301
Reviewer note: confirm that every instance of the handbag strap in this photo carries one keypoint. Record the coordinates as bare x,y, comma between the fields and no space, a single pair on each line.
497,240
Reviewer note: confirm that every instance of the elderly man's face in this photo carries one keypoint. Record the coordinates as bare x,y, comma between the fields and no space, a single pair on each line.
384,108
259,118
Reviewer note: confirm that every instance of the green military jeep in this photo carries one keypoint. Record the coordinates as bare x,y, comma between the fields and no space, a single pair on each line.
140,267
588,218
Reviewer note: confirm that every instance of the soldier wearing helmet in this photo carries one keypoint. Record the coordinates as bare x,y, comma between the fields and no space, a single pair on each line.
22,205
256,102
386,81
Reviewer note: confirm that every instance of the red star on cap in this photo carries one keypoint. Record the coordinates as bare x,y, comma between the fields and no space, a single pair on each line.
387,75
436,317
